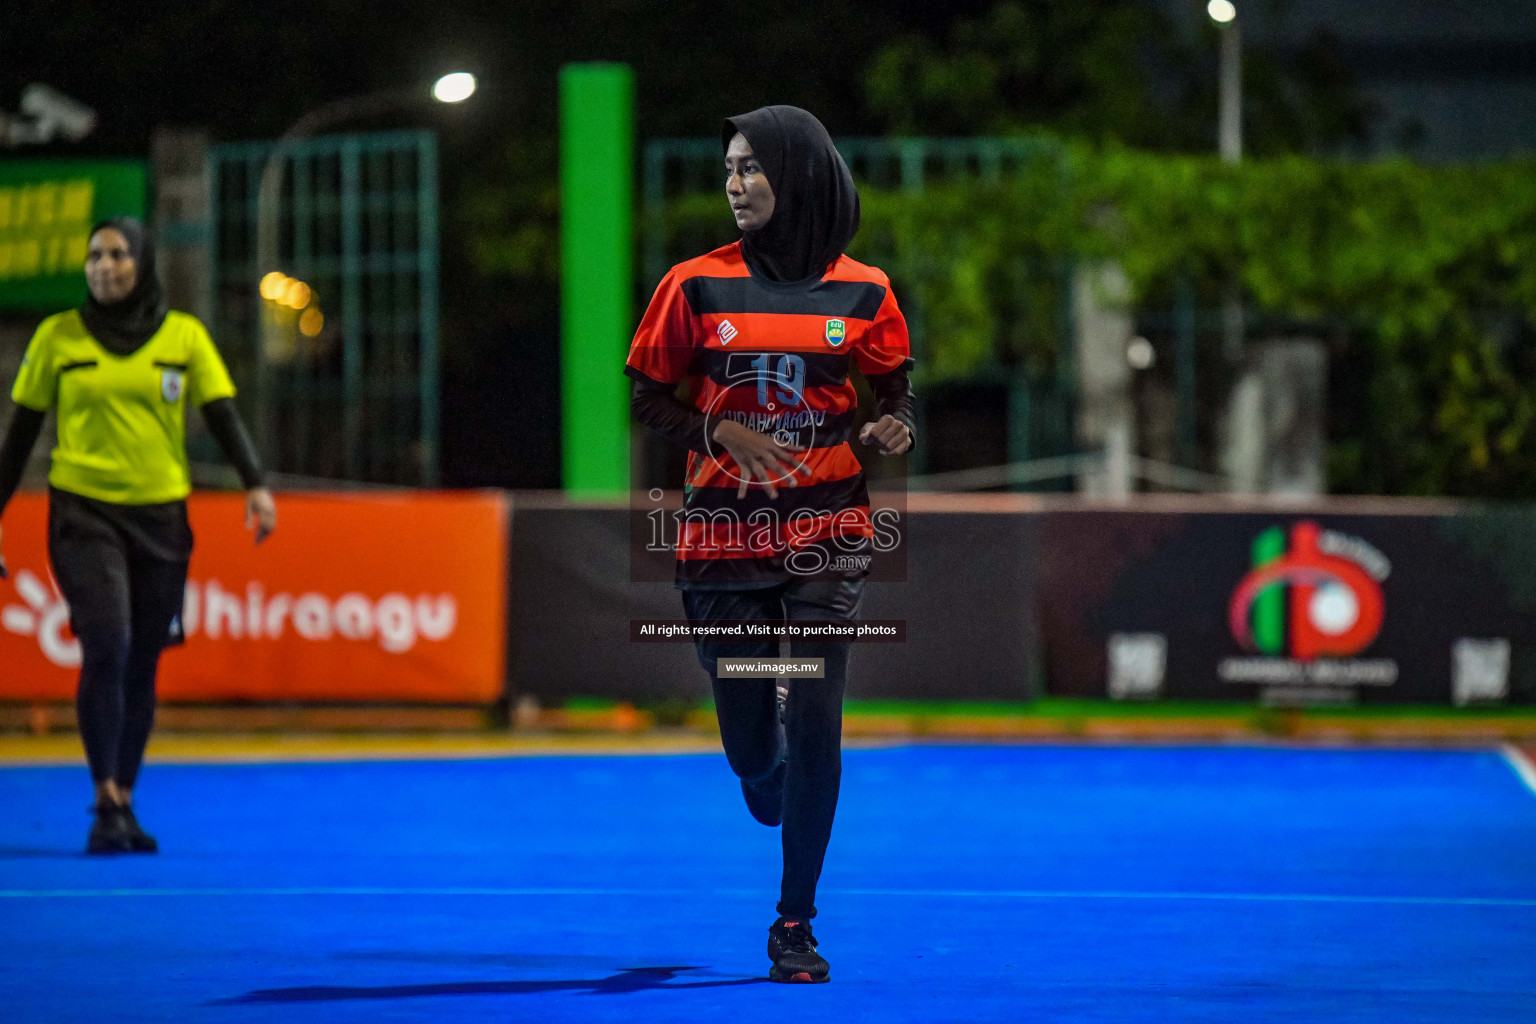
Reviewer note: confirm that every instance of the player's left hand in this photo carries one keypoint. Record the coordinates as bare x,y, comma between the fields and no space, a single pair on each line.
260,512
889,433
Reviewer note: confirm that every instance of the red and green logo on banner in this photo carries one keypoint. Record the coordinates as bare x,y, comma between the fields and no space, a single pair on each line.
47,208
1333,583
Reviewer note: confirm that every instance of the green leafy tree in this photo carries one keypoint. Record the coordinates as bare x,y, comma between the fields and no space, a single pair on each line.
1076,67
1423,279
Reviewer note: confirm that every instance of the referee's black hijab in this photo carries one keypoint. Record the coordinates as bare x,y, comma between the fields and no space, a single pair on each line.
815,205
123,326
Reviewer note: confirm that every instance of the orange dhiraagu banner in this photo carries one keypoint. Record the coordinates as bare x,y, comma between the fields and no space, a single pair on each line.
356,597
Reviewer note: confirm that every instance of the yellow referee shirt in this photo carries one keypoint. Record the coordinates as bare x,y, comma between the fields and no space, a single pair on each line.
122,419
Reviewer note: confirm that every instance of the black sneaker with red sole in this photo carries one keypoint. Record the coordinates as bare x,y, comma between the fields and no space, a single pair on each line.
792,948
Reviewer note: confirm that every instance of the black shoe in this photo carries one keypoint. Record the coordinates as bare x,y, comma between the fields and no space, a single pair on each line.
139,841
765,798
109,833
792,949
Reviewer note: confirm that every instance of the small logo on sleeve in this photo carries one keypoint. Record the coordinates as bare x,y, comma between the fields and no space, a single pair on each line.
837,331
726,331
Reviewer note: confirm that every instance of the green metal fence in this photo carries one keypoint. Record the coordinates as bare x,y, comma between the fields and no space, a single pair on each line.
1036,401
338,353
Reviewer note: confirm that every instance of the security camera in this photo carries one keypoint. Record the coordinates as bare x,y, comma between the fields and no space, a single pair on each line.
55,112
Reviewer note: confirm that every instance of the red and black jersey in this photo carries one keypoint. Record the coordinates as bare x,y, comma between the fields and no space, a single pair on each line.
776,358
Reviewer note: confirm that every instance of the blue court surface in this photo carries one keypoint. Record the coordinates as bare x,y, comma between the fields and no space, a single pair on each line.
982,883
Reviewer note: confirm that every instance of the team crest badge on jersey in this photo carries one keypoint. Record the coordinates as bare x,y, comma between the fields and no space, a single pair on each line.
171,385
836,332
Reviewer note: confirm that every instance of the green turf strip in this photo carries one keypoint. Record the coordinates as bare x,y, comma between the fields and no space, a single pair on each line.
1067,708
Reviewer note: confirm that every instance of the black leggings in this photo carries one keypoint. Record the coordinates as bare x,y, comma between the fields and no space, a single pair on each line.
811,735
123,571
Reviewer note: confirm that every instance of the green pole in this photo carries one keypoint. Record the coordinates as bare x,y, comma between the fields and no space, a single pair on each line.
597,141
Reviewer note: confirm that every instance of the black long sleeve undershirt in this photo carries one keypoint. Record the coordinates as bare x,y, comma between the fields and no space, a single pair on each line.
16,449
893,396
228,429
655,405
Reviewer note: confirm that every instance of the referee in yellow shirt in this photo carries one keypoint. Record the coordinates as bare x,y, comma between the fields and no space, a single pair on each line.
120,371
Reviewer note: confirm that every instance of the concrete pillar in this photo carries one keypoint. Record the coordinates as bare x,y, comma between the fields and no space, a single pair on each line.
179,165
179,169
1106,421
1275,441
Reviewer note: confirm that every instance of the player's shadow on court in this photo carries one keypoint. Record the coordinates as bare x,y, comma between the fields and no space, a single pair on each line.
38,852
626,981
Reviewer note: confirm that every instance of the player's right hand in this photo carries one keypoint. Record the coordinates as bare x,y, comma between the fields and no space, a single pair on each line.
260,513
760,457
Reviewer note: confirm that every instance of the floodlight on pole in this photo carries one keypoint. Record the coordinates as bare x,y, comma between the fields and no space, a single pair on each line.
1229,142
455,87
1230,80
450,88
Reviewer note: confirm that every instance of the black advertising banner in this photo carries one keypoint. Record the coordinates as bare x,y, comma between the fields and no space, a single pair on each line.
1346,601
964,617
1290,607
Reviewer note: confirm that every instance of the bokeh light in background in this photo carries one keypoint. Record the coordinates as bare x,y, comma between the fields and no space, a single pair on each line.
273,286
1221,10
286,296
454,87
311,322
1140,354
296,294
283,290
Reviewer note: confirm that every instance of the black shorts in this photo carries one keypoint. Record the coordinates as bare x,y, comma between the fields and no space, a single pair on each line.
120,562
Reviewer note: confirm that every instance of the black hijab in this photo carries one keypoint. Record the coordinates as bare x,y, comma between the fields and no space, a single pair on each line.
815,205
123,326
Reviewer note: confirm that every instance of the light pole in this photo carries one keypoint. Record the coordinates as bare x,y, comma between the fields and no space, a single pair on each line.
1229,142
1230,124
454,87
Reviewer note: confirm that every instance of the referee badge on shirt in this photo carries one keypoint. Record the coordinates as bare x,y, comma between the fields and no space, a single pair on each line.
836,332
171,384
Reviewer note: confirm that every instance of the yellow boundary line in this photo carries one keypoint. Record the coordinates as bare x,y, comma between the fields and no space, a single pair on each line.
174,748
22,750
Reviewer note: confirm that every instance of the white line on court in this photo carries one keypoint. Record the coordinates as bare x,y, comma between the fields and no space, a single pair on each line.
1012,894
1516,759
